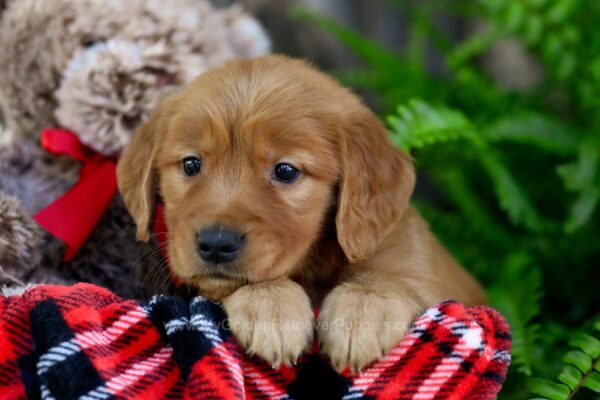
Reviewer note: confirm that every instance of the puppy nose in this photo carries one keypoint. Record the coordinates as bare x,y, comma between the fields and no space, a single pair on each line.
219,244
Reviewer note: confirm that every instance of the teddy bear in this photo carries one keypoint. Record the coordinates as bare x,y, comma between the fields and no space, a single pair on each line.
95,69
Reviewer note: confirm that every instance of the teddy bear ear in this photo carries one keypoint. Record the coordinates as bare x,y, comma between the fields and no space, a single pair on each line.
246,34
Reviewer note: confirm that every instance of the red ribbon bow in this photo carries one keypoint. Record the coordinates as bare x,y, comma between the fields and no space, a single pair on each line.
72,217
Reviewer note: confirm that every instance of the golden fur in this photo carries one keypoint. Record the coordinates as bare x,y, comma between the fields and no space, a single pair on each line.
341,237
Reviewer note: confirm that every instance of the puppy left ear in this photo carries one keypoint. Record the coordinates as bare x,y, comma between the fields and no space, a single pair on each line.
137,177
376,183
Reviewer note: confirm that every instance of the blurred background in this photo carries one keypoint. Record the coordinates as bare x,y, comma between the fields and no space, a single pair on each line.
498,102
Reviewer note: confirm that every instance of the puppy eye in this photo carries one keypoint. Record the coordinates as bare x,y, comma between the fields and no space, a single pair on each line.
191,166
285,173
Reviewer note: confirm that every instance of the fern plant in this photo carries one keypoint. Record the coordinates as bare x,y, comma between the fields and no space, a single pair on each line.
581,369
419,124
516,174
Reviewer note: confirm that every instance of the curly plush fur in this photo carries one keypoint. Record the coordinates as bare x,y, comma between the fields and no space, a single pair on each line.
98,68
108,89
39,41
34,176
42,178
19,238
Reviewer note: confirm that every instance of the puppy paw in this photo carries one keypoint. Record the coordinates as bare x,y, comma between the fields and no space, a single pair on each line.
357,326
273,320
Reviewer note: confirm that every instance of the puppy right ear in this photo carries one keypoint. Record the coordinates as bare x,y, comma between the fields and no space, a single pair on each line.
137,176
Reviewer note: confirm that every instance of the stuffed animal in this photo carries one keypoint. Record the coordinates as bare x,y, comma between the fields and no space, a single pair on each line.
94,68
30,177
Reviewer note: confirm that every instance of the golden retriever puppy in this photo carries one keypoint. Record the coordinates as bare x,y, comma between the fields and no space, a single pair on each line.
282,192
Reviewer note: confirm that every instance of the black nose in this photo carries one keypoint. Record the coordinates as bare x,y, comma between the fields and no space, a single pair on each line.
219,244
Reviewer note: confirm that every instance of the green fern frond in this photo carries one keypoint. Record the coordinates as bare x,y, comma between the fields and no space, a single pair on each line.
582,177
454,182
419,124
474,46
581,369
511,197
582,210
370,51
395,77
544,133
517,294
535,23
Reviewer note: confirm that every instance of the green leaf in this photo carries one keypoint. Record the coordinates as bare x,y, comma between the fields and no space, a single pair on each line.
418,124
395,77
579,359
538,130
512,198
515,16
582,210
561,10
552,47
460,191
577,371
551,390
370,51
537,3
570,376
589,344
417,43
581,177
587,166
566,65
593,382
473,47
534,29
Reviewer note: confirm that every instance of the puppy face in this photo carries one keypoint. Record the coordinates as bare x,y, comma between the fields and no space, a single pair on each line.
248,160
254,201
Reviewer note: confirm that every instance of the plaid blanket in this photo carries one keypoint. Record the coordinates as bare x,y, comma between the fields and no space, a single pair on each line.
83,342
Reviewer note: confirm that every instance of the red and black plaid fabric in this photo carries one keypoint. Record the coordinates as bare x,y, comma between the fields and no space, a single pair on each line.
83,342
